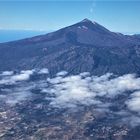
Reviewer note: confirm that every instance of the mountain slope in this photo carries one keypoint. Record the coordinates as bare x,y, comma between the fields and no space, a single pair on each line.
84,46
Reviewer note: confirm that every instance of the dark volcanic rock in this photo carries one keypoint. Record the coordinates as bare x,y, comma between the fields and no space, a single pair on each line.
85,46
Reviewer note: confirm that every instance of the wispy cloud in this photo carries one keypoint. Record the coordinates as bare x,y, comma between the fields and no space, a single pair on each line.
92,7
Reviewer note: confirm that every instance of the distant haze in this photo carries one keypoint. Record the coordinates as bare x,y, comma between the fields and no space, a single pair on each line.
11,35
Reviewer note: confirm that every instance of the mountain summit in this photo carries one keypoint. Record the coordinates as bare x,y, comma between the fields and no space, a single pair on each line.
86,20
84,46
85,32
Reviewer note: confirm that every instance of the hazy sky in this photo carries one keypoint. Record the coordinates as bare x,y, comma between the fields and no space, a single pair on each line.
121,16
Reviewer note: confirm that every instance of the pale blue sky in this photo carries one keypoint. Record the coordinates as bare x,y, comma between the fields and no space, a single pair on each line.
120,16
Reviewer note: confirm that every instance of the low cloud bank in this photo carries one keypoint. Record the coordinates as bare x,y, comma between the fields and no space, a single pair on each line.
84,89
72,91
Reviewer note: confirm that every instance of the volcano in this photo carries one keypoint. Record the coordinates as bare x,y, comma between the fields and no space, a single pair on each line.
84,46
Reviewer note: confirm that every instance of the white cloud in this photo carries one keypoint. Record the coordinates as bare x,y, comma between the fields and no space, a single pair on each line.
20,77
12,79
110,87
43,71
62,73
134,102
7,73
83,88
79,89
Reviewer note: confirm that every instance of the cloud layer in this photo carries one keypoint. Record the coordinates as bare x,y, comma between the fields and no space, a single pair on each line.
84,89
72,91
